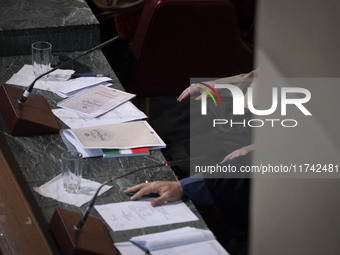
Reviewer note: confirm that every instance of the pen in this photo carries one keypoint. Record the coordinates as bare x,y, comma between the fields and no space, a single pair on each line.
77,75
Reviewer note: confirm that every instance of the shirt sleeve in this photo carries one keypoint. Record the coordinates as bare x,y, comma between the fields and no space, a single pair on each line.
195,189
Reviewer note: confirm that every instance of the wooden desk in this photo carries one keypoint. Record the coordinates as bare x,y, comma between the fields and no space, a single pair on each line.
37,159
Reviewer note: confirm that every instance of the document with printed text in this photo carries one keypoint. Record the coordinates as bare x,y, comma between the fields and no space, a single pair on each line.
140,214
96,101
128,135
122,113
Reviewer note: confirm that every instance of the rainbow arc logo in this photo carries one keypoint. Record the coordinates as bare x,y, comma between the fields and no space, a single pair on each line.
209,93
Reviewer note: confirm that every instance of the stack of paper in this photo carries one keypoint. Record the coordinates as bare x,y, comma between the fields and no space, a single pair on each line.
90,141
185,240
87,105
94,106
123,113
74,86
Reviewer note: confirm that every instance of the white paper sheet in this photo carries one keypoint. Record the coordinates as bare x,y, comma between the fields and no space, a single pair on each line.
128,248
55,189
25,76
58,81
140,214
127,135
72,143
172,238
201,248
96,101
71,87
122,113
186,240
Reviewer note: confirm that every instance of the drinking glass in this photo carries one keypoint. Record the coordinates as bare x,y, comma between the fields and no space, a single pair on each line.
72,170
41,57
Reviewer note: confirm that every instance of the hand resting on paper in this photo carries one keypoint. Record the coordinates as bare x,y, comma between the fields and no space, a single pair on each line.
168,191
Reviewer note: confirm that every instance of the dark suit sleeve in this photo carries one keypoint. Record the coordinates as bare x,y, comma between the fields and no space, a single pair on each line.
195,189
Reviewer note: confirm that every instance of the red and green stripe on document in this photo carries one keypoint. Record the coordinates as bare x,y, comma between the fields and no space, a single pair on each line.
112,153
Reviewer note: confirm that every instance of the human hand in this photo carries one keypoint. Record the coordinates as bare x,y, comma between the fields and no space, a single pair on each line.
194,91
184,94
168,191
234,154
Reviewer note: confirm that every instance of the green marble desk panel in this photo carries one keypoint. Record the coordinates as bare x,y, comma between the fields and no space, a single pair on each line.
35,159
68,25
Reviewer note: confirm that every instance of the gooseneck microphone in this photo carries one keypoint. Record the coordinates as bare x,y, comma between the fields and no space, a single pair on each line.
82,221
28,90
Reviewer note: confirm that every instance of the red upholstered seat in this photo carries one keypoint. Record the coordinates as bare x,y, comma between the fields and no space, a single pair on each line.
176,40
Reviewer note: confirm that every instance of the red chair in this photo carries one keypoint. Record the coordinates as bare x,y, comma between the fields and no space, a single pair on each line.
176,40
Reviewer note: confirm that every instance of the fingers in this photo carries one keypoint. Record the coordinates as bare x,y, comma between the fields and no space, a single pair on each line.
230,156
225,160
139,190
168,191
234,154
139,194
134,188
192,90
198,97
159,201
184,94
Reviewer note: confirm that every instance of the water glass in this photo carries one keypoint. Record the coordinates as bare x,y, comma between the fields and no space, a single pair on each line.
72,170
41,57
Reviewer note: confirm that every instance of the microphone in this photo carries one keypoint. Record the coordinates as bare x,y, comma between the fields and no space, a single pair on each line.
93,238
33,116
23,98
